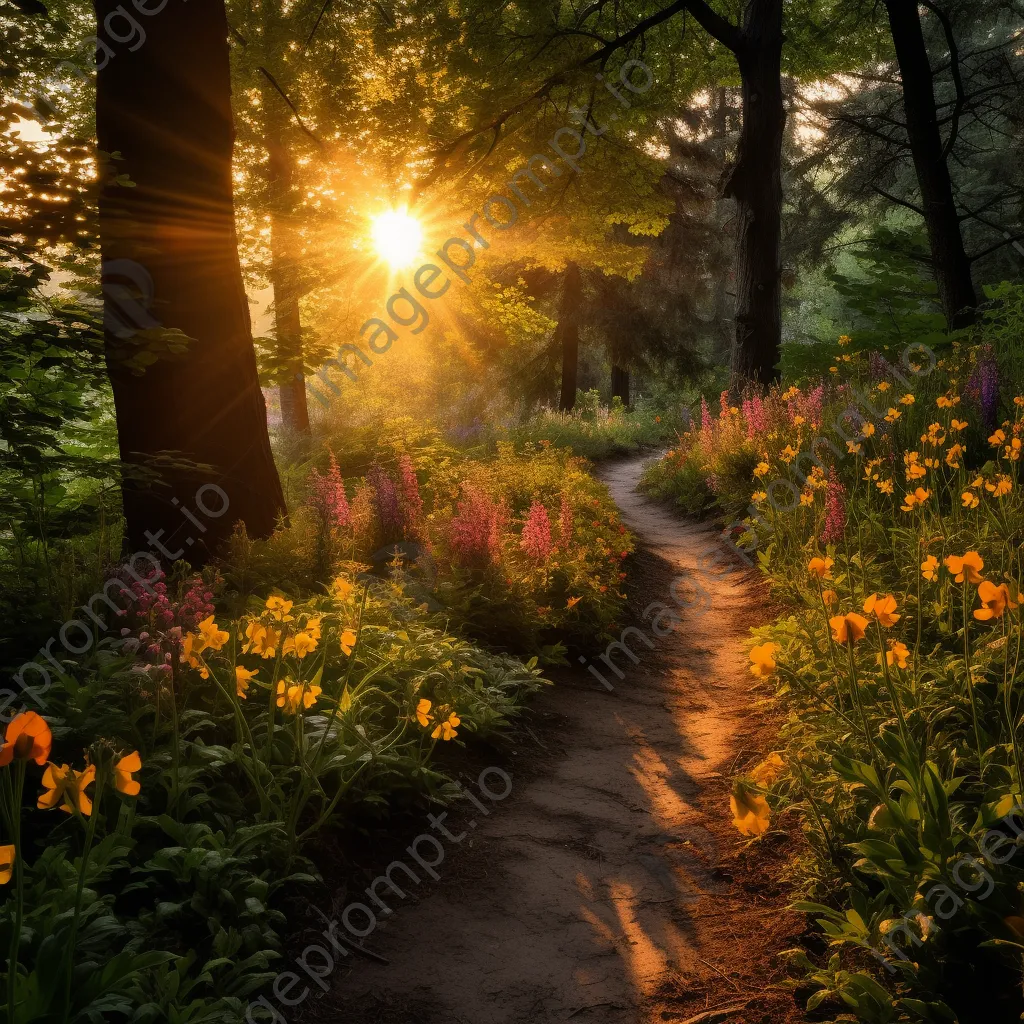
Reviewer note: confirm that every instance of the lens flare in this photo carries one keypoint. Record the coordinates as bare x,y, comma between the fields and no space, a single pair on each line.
397,237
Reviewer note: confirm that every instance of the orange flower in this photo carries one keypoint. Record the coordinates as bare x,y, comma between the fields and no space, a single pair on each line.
929,567
883,609
968,565
897,653
243,677
820,567
66,787
750,812
348,641
995,601
572,602
123,781
423,712
6,864
27,738
848,628
829,597
762,660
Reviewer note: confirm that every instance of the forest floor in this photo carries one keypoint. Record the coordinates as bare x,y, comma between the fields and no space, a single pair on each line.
610,884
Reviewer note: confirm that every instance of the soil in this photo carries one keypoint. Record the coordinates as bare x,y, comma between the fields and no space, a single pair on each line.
610,884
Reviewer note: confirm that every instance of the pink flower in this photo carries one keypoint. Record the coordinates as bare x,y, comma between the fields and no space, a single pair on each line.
536,539
386,503
328,496
474,533
705,415
723,405
835,512
412,503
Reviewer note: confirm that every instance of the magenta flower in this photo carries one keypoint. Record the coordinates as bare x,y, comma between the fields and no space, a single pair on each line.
474,533
536,539
328,496
835,512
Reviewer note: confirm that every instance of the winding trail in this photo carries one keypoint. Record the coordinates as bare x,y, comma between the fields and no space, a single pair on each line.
610,885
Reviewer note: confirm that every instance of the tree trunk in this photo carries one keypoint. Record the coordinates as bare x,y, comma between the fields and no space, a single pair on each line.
284,278
567,334
197,417
756,185
951,267
620,384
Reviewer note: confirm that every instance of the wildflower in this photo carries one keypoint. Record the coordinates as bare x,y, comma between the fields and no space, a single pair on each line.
997,439
409,489
1013,449
191,647
123,781
968,565
835,513
263,640
844,339
830,597
446,729
820,567
1002,485
953,456
897,653
791,392
929,567
969,499
212,636
807,498
884,386
291,695
6,863
885,486
759,496
788,454
347,641
328,495
300,645
868,430
769,770
27,738
341,589
915,471
947,401
762,660
911,501
474,532
536,538
907,399
958,425
243,677
848,628
423,715
66,787
833,369
572,602
750,812
761,468
279,608
892,415
312,627
995,600
883,608
853,448
798,421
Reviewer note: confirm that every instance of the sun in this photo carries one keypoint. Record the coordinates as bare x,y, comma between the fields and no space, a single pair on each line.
397,237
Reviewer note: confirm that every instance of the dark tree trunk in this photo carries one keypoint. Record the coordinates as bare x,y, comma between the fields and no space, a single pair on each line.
284,278
198,418
756,185
567,334
620,384
951,267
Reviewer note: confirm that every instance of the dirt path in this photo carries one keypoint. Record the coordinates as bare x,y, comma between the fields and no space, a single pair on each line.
609,886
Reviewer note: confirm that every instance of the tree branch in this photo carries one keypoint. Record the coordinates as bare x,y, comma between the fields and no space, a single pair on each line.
899,202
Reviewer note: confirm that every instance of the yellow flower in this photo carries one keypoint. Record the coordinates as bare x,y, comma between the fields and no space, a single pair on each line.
762,660
885,486
192,646
750,812
788,454
915,471
997,439
807,498
883,608
279,608
263,640
897,653
1003,485
956,424
758,496
572,602
798,421
27,738
820,567
348,641
868,430
769,770
995,600
6,863
953,455
833,369
1013,449
969,499
66,787
242,678
848,628
830,597
312,627
853,448
919,497
423,712
884,386
791,392
929,567
892,415
341,589
907,400
212,636
300,645
291,695
761,468
947,402
123,781
446,729
844,339
968,565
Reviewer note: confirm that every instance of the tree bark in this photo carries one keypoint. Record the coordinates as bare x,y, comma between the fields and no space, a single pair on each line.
950,264
197,418
756,185
567,334
620,384
284,279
